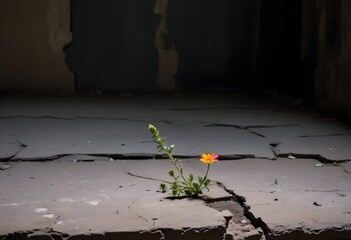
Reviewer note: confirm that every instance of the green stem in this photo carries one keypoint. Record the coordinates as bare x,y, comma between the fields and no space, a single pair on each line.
174,163
208,168
205,178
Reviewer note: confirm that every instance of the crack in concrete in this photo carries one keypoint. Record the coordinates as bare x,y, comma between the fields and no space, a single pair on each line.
317,157
245,128
126,156
74,118
36,234
9,158
325,191
156,231
346,170
257,222
148,178
130,210
325,135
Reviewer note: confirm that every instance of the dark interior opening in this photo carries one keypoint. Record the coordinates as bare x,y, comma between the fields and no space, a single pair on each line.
222,45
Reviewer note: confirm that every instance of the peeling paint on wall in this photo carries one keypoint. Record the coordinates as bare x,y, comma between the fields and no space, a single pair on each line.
167,55
33,34
333,60
58,18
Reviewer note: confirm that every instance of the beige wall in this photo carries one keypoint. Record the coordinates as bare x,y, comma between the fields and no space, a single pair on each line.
33,34
327,35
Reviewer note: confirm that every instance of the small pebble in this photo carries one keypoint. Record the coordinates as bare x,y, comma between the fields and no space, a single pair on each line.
319,165
246,228
41,210
317,204
4,167
50,215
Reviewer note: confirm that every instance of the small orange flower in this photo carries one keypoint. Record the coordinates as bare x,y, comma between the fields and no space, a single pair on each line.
209,158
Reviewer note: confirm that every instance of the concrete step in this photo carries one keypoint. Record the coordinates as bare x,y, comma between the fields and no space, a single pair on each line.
71,198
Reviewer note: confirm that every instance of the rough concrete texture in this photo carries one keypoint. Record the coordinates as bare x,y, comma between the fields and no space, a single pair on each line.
88,191
293,198
95,198
46,127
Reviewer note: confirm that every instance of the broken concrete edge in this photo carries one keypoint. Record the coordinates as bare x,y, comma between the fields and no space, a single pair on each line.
207,232
271,232
302,233
150,156
210,232
257,222
121,156
317,157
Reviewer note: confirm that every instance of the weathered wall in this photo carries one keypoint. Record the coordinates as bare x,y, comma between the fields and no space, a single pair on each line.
33,34
167,55
161,45
216,42
327,47
113,47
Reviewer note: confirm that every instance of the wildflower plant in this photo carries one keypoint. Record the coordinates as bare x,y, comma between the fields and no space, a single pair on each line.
181,185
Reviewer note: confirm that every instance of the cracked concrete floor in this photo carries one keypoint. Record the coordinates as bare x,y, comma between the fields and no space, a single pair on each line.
290,198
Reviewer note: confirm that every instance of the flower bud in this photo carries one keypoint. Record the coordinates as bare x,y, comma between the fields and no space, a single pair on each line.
153,129
171,172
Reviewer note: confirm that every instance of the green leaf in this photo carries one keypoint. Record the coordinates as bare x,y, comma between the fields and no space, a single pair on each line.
200,179
188,192
163,187
171,172
191,178
174,185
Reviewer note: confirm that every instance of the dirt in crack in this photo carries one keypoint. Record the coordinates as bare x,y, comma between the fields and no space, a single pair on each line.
243,224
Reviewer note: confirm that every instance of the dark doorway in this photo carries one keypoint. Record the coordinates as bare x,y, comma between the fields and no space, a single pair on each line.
279,63
216,42
222,45
112,48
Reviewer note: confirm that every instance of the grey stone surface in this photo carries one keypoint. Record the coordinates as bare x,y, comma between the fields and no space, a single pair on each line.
329,139
347,167
47,127
83,198
252,235
293,197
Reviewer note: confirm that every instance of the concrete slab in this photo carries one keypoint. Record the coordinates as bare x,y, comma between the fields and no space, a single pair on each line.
72,199
232,125
45,138
329,139
346,166
293,198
